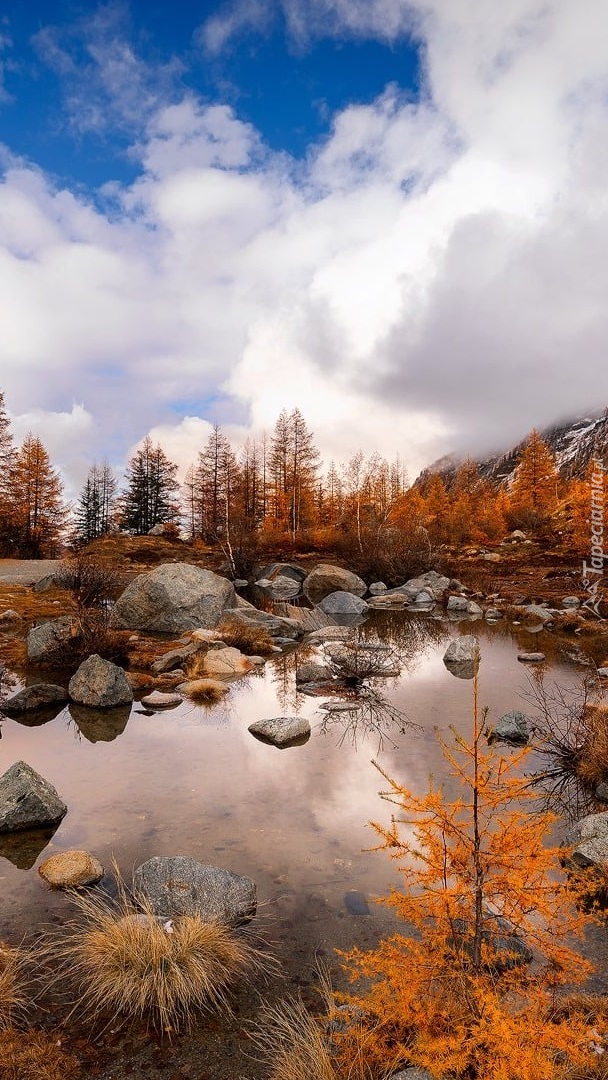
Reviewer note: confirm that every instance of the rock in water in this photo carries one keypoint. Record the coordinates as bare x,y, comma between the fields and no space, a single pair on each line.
180,885
172,598
531,657
282,731
588,839
227,663
27,800
343,603
71,869
462,650
159,700
100,684
39,696
511,727
326,579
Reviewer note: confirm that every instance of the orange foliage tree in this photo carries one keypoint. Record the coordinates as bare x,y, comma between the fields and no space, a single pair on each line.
456,994
534,492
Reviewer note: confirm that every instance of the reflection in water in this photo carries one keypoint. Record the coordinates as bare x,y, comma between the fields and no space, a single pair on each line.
23,848
562,734
368,712
100,725
462,669
38,717
195,783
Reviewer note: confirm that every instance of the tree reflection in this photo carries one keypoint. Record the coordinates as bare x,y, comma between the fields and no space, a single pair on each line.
368,712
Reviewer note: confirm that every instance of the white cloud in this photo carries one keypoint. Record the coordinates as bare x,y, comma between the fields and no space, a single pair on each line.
60,432
106,84
433,276
243,15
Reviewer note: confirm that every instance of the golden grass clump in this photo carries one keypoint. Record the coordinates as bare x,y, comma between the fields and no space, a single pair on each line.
205,691
13,997
251,640
292,1042
32,1055
299,1046
592,757
124,962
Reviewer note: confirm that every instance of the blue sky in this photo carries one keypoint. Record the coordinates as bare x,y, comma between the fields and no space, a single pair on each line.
390,213
61,110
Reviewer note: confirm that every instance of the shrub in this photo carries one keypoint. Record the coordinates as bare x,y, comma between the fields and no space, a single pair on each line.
33,1055
205,691
124,962
90,582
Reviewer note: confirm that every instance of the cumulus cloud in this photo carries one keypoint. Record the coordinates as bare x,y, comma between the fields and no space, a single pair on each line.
432,277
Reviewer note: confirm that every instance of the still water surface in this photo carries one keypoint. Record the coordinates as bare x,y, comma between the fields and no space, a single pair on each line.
194,781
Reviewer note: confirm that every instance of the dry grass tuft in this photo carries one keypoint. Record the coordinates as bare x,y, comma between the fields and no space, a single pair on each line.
592,758
13,997
125,963
251,640
299,1047
32,1055
293,1043
205,691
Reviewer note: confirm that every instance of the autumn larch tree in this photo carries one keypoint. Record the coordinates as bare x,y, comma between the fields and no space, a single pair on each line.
481,886
293,466
215,480
149,498
535,487
35,497
7,459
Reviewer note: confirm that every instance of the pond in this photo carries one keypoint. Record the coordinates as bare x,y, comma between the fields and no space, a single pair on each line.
194,781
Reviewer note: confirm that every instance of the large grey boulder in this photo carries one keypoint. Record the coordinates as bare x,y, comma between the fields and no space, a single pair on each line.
100,683
327,578
343,603
172,598
180,885
27,800
44,641
282,731
35,697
